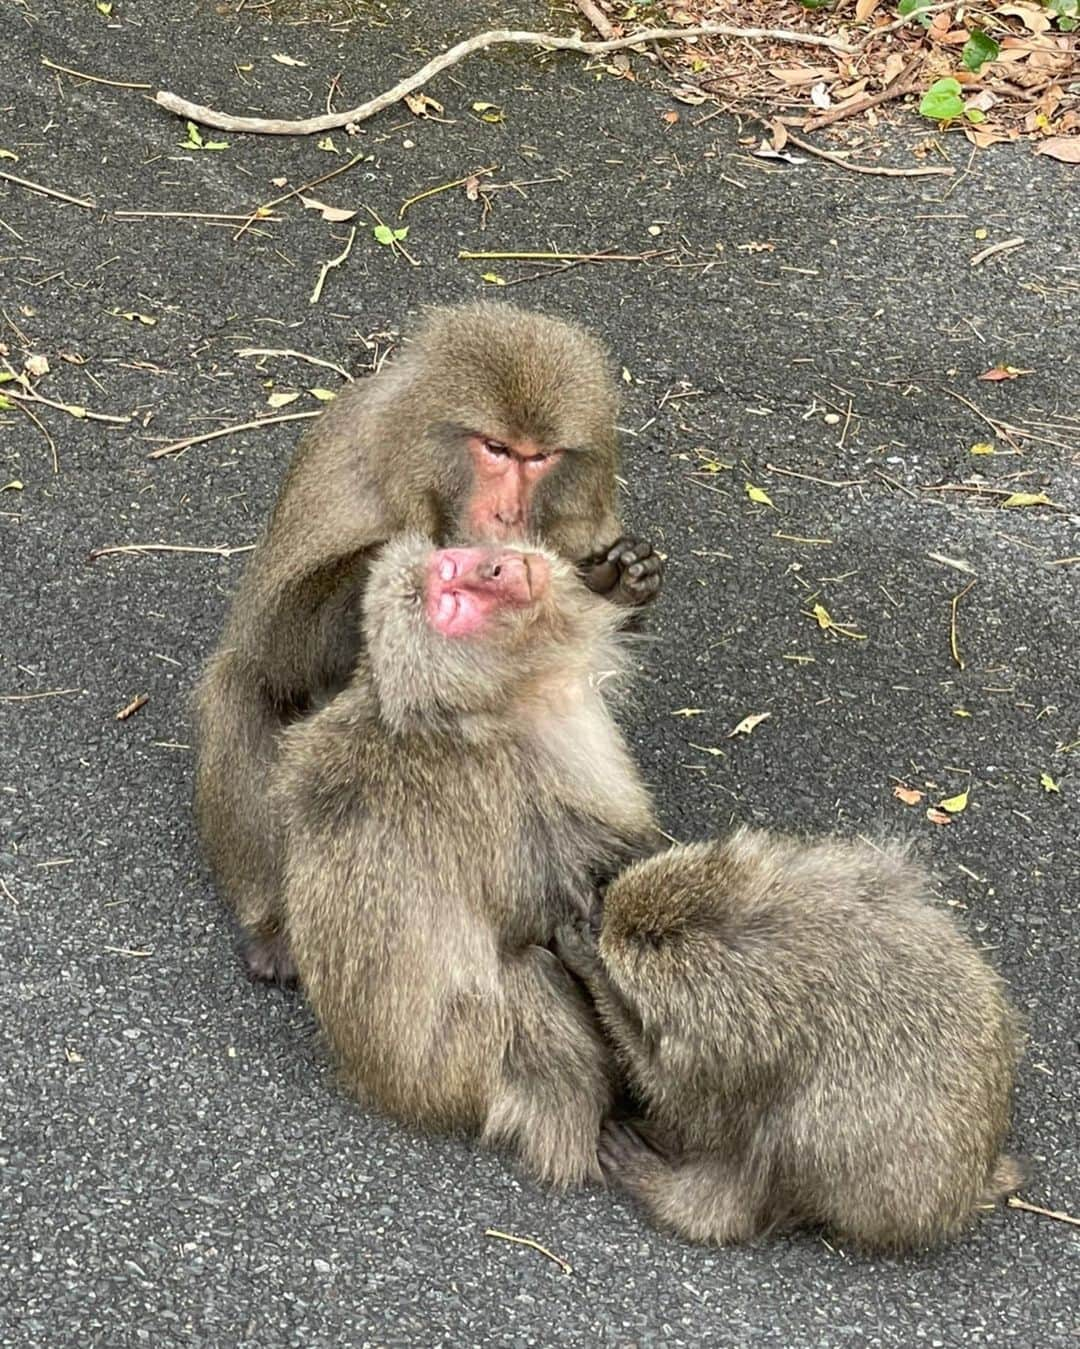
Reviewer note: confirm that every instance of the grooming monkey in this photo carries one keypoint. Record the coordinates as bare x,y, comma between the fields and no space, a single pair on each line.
493,424
453,804
813,1042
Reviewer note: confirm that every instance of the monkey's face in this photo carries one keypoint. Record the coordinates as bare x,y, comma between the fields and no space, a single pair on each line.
467,587
504,478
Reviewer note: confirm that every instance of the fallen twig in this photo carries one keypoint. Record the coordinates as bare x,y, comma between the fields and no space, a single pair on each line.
809,477
30,697
297,356
45,432
1013,1202
333,262
309,126
141,549
564,1265
47,191
902,22
443,187
1006,246
177,446
954,645
900,86
76,410
188,215
596,17
923,171
564,257
131,708
93,79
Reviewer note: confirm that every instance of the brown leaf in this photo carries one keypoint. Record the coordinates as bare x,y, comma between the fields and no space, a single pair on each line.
1000,372
793,76
1033,17
864,8
936,816
892,67
909,795
1065,148
670,117
472,187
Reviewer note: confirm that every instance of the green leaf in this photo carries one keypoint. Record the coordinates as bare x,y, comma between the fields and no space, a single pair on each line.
1065,9
193,136
215,145
758,494
815,4
402,233
978,49
384,234
1047,783
5,404
1027,499
954,804
916,7
975,115
942,101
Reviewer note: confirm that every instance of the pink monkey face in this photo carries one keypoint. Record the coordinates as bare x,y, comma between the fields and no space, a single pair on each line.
467,586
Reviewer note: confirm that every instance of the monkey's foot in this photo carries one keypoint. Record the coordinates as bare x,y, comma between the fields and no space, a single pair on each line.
270,960
626,1155
575,945
628,572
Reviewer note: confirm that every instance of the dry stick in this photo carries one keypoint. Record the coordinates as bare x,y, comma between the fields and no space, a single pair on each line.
309,126
45,432
313,298
442,187
47,191
1013,1202
1006,246
185,215
297,356
179,445
93,79
596,17
809,477
72,409
533,1246
564,257
926,172
913,17
30,697
140,700
141,549
900,86
954,645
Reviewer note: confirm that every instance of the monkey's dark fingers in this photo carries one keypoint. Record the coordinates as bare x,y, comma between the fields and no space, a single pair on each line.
573,944
269,960
601,577
629,551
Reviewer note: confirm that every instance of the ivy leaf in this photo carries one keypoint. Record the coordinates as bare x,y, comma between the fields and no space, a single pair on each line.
916,7
978,49
383,234
942,101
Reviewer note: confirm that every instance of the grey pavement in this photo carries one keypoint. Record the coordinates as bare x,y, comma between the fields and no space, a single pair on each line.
177,1164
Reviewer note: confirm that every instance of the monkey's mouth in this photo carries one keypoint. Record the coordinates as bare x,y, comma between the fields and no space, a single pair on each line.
466,586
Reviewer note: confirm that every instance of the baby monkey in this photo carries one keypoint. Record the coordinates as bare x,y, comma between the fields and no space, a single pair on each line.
813,1042
443,814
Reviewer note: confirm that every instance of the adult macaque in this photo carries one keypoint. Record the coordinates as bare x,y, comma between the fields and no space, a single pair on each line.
457,800
493,424
813,1042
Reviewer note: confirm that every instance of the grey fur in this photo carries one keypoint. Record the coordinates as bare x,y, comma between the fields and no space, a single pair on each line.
814,1042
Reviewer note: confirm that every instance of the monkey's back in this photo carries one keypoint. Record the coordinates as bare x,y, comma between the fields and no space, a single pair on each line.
823,1018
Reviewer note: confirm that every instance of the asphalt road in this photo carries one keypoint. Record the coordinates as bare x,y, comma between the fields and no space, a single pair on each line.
177,1165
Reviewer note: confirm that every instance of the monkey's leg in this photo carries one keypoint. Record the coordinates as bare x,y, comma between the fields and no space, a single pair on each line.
237,730
706,1199
556,1082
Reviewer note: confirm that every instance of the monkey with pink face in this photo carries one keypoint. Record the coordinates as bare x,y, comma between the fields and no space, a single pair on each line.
493,424
441,816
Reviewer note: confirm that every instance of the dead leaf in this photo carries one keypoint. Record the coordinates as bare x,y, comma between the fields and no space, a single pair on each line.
938,816
864,8
689,711
819,96
982,137
999,372
794,76
1064,148
36,365
334,213
910,796
418,105
1027,499
670,117
1034,18
748,723
472,187
284,60
954,804
892,67
280,400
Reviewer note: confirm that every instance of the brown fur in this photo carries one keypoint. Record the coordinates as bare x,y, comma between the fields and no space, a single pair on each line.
814,1042
442,815
385,458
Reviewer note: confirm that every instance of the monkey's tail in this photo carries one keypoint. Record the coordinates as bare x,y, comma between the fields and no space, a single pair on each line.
1006,1176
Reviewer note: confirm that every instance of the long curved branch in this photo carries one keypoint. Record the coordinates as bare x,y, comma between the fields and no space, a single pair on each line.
309,126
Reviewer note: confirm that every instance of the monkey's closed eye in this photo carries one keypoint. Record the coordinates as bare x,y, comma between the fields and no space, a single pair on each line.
497,449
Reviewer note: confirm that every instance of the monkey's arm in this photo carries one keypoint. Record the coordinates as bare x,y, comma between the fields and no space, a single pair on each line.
628,572
575,945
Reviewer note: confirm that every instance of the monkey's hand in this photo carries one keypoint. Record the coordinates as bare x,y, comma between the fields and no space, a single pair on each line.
574,943
627,572
629,1152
